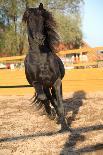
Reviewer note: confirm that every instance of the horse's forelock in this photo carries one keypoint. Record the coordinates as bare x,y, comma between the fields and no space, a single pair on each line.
29,11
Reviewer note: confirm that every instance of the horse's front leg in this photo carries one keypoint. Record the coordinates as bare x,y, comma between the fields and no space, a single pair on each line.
39,90
43,97
49,110
59,104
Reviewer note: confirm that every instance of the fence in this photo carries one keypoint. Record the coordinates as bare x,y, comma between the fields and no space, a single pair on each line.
13,82
77,58
83,57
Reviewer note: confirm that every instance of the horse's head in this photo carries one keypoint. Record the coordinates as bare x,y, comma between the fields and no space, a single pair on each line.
35,22
41,26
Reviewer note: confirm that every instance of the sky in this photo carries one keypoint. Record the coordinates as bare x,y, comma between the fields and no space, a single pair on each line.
93,22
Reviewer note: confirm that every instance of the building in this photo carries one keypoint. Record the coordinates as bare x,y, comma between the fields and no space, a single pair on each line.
85,54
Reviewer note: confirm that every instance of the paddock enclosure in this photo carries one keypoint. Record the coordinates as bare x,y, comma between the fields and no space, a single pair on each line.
24,131
13,82
86,75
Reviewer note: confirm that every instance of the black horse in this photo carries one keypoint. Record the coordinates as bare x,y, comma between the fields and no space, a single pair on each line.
43,68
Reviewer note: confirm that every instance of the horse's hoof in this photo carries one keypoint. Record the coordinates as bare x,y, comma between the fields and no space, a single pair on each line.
65,129
42,97
53,113
42,111
58,121
51,117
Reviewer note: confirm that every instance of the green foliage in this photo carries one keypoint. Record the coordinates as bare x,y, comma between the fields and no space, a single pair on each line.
2,43
69,28
13,38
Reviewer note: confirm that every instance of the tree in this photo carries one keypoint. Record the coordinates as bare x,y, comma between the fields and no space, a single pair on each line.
66,13
69,27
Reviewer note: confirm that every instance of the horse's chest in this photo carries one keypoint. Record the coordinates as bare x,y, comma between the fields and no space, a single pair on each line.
44,71
41,69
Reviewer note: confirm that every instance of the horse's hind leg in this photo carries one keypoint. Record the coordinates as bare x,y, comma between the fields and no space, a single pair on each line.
59,105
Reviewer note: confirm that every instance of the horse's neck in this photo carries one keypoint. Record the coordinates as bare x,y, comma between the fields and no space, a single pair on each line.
36,46
32,44
35,54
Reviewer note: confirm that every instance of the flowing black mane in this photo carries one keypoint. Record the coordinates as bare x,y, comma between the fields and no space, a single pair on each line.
50,26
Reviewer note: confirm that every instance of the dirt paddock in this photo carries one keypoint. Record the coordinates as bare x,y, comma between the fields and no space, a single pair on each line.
23,131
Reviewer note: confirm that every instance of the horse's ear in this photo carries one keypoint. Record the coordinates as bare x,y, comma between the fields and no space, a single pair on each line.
41,6
26,15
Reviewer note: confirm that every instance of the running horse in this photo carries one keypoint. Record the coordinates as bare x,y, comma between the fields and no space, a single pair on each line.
43,68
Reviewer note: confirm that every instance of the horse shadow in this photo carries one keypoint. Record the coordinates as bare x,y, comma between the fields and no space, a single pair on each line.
73,105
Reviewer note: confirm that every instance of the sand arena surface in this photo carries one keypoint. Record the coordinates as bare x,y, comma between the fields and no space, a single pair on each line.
23,131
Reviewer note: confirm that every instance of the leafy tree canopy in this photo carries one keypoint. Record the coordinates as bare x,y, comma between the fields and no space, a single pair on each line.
66,12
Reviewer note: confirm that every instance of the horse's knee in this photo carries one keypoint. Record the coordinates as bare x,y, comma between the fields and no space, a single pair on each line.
42,97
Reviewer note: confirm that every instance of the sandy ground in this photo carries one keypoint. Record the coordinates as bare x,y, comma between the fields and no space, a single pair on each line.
24,131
